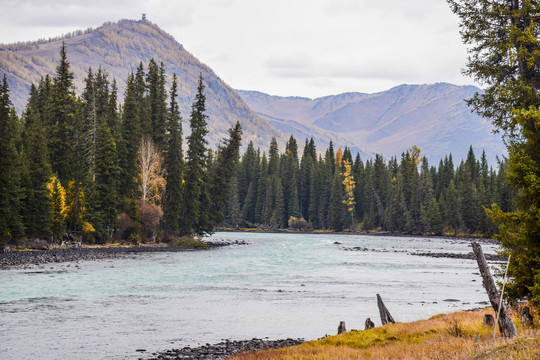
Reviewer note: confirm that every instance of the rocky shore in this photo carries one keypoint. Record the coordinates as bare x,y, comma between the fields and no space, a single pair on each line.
60,255
222,350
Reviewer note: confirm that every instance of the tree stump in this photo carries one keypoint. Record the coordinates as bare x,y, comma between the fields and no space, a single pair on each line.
489,320
383,311
506,325
526,317
341,328
369,324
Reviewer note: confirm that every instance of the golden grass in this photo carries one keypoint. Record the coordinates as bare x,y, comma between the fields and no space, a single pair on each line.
458,335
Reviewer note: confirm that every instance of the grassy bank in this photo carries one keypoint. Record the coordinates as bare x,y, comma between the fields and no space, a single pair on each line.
458,335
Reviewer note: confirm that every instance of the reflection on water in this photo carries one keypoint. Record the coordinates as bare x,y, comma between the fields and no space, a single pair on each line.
281,285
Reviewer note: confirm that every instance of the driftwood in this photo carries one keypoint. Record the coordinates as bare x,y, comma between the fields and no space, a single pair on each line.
489,320
526,317
506,325
369,324
383,311
341,328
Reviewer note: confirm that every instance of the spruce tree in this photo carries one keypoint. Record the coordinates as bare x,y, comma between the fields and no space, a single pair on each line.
174,165
223,170
106,201
62,118
156,102
11,226
37,212
128,145
196,196
336,206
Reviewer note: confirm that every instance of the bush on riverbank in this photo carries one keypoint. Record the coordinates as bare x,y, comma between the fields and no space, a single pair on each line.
458,335
189,242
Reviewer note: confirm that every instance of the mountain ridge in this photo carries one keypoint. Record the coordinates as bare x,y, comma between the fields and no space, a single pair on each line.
431,116
434,117
119,48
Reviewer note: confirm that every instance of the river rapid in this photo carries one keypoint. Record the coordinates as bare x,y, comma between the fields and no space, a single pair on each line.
278,286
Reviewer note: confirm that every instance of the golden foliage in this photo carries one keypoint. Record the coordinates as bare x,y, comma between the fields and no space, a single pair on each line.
425,339
350,185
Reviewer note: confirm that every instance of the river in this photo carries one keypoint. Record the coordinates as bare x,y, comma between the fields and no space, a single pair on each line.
278,286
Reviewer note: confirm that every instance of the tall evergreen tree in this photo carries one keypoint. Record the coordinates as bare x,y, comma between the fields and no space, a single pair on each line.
11,225
156,99
62,118
128,145
37,212
196,196
174,165
223,170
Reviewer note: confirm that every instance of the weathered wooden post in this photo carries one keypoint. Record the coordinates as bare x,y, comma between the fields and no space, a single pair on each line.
369,324
341,328
383,311
506,325
526,317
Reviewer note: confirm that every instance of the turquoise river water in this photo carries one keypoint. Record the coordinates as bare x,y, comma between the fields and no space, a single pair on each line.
278,286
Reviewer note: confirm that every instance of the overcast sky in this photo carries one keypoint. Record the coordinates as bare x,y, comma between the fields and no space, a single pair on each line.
308,48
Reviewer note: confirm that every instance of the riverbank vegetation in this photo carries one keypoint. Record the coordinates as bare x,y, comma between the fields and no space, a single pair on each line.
458,335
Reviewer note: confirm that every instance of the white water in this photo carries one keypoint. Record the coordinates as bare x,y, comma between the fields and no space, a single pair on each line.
281,285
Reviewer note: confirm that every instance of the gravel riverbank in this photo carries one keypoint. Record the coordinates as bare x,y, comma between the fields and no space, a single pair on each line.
60,255
222,350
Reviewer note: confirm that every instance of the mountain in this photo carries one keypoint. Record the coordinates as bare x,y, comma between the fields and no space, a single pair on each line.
119,48
433,117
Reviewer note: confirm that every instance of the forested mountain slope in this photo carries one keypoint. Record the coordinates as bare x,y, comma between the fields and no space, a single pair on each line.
119,48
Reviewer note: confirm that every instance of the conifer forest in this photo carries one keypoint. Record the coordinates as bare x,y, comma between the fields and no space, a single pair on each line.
90,167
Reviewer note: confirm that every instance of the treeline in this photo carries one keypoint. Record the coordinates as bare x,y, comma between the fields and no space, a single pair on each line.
83,165
338,192
26,45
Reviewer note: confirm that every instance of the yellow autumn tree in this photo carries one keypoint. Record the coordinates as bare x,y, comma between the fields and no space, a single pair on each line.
350,185
57,201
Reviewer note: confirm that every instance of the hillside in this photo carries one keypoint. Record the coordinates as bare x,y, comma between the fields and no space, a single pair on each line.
119,48
433,117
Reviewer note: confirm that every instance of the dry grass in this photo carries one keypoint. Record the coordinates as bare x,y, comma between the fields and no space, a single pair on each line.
459,335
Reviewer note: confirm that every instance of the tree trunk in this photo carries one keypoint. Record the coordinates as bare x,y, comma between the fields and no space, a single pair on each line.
506,325
341,328
383,311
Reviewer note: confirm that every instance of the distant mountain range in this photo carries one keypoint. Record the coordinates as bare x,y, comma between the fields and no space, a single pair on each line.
433,117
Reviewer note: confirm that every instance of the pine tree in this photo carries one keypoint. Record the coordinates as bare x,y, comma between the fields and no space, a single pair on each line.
37,212
233,206
196,196
128,145
106,200
223,170
156,99
337,207
62,111
11,226
174,165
